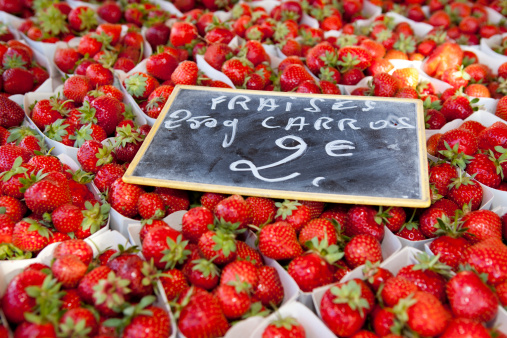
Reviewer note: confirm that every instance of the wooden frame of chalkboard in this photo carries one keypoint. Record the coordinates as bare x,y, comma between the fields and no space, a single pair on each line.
208,139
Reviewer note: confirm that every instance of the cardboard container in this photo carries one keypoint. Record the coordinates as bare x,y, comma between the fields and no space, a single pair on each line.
488,44
313,326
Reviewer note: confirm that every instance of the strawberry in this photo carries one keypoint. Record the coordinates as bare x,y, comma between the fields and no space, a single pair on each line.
279,241
407,77
92,154
429,221
29,235
233,209
465,191
46,195
185,74
200,314
234,299
321,55
70,320
17,81
150,205
462,326
82,18
10,113
294,213
16,301
284,327
320,228
210,199
174,199
46,163
202,273
292,76
469,297
154,322
68,270
426,314
182,34
456,107
455,144
123,197
354,57
195,223
488,256
362,219
395,289
107,113
441,175
482,224
28,329
106,175
384,85
174,282
140,85
67,218
375,276
99,75
161,66
263,210
343,308
76,247
447,55
12,208
311,270
362,248
428,275
237,69
45,112
501,108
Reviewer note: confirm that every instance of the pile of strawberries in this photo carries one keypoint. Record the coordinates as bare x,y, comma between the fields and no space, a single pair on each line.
106,46
21,73
80,295
233,254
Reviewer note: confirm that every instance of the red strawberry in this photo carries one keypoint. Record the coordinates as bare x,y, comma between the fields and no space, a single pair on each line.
68,270
284,327
234,209
201,314
106,175
279,241
269,289
82,18
362,248
210,199
294,213
482,224
154,322
461,326
67,218
396,288
76,247
361,219
185,74
70,319
310,271
375,276
466,191
384,85
174,199
471,298
320,228
123,197
10,113
92,154
140,85
292,76
427,316
263,210
343,308
490,257
46,195
182,33
174,283
195,223
456,107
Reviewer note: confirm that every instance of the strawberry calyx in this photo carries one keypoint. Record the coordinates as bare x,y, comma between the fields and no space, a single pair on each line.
206,267
400,310
126,135
47,301
88,19
136,84
107,59
370,270
36,226
16,169
330,253
69,328
9,251
19,133
57,130
456,182
502,86
111,292
348,62
345,40
382,216
81,176
129,312
176,253
405,44
87,111
285,322
256,309
240,286
31,179
429,104
432,263
225,241
151,273
94,216
456,157
342,239
452,229
411,224
52,21
350,294
82,135
286,208
14,61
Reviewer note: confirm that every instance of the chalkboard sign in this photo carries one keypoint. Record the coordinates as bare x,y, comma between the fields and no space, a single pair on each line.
327,148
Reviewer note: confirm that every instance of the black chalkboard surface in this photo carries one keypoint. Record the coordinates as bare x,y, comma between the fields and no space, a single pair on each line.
346,149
